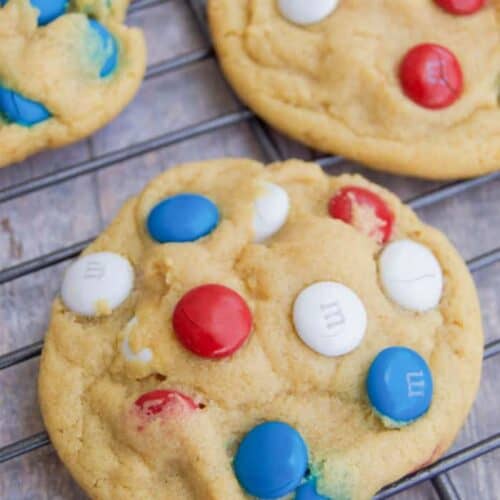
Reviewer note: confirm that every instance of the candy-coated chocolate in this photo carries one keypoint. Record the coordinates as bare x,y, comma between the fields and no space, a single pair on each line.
155,402
21,110
304,12
270,211
431,76
182,218
399,386
212,321
271,460
308,491
365,210
97,283
144,355
461,7
411,275
49,9
109,48
330,318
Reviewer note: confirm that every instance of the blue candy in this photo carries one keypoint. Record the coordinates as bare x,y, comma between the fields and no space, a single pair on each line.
308,492
21,110
49,9
399,385
108,46
181,218
271,460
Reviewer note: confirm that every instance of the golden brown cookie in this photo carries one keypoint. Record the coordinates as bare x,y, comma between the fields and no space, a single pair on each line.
241,330
67,69
406,87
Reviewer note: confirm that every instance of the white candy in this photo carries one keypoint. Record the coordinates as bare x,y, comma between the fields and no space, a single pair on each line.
270,212
97,280
144,355
305,12
330,318
411,275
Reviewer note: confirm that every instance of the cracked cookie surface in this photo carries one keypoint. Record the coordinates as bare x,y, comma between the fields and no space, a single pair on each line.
105,375
335,84
65,73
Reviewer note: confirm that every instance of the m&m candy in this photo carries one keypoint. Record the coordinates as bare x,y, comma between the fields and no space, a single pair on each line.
431,76
270,211
461,7
21,110
212,321
153,403
97,282
304,12
48,9
271,460
182,218
330,318
399,386
365,210
143,355
107,48
411,275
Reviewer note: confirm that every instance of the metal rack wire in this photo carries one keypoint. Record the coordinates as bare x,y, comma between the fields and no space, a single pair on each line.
443,485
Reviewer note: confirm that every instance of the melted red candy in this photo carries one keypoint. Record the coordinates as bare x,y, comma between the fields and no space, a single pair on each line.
155,402
431,76
364,210
461,7
212,321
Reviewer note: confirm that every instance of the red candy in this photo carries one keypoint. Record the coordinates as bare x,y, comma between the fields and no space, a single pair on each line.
212,321
365,210
431,76
155,402
461,7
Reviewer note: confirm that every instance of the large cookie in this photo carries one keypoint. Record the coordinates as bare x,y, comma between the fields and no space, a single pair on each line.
244,331
407,87
67,69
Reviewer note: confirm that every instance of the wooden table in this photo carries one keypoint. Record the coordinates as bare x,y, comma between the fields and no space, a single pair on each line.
57,216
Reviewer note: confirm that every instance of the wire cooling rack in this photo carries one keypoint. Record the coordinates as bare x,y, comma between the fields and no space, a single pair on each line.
437,473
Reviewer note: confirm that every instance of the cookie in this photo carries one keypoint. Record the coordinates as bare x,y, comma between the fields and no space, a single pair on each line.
241,332
67,70
405,87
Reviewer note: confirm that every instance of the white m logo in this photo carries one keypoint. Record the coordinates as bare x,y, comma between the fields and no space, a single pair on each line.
332,315
94,270
416,384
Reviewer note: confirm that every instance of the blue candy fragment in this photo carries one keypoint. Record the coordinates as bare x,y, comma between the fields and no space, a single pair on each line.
271,460
49,9
399,386
108,46
308,492
182,218
21,110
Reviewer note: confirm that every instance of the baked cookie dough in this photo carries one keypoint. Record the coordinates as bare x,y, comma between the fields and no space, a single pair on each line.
241,331
405,87
68,68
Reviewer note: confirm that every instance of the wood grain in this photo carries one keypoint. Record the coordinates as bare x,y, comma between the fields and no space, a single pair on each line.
78,209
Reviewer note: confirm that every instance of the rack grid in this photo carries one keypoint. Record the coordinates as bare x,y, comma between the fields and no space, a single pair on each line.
436,473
